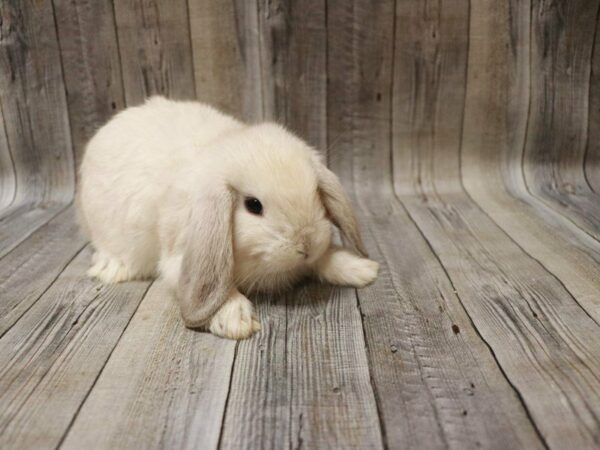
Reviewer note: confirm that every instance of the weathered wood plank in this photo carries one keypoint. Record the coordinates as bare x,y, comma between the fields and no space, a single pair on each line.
438,384
51,357
546,344
90,58
293,37
34,108
164,386
226,52
28,271
592,156
155,49
8,182
561,49
20,220
493,136
304,379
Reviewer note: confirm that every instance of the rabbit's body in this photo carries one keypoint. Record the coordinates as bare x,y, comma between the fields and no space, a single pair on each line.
129,168
163,192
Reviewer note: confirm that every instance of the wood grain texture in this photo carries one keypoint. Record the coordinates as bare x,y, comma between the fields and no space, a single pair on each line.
34,109
8,182
155,49
293,39
164,386
225,45
432,373
493,138
52,356
28,271
91,66
438,384
304,380
20,220
592,155
509,296
562,37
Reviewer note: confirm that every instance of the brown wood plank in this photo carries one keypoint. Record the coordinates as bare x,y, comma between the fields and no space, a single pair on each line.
28,271
34,108
226,52
92,70
303,380
51,357
164,386
562,37
155,49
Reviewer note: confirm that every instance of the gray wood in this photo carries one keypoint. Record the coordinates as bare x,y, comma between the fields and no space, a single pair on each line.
493,138
155,49
293,37
52,356
91,65
592,155
164,386
33,101
562,37
8,183
28,271
225,45
20,220
433,375
304,380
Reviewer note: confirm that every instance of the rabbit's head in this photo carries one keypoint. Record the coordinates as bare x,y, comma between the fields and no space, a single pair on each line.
265,221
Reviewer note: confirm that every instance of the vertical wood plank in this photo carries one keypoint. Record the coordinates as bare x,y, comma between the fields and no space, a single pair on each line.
493,139
562,43
294,56
225,45
164,386
92,70
8,183
154,44
34,108
592,158
430,393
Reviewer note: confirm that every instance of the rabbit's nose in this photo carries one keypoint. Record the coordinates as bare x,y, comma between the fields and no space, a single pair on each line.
303,253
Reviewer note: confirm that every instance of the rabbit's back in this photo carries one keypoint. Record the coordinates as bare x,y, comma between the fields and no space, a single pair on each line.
129,165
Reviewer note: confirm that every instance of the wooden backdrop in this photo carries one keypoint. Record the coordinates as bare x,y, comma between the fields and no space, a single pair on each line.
469,128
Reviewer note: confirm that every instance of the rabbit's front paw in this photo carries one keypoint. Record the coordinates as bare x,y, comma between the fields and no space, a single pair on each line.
235,319
360,272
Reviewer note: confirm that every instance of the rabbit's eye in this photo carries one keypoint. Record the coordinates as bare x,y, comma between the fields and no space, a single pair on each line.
253,205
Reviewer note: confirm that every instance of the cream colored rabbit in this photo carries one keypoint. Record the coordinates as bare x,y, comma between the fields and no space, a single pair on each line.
215,207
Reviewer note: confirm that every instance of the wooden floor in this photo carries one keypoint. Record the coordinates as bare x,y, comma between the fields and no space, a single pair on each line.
481,331
468,136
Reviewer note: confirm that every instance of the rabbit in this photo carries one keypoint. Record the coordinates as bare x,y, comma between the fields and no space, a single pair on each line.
216,208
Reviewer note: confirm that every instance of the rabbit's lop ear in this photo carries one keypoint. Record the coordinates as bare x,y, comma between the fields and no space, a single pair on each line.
206,276
338,205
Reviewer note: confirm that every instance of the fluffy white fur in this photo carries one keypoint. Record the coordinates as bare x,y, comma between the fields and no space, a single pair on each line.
162,193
